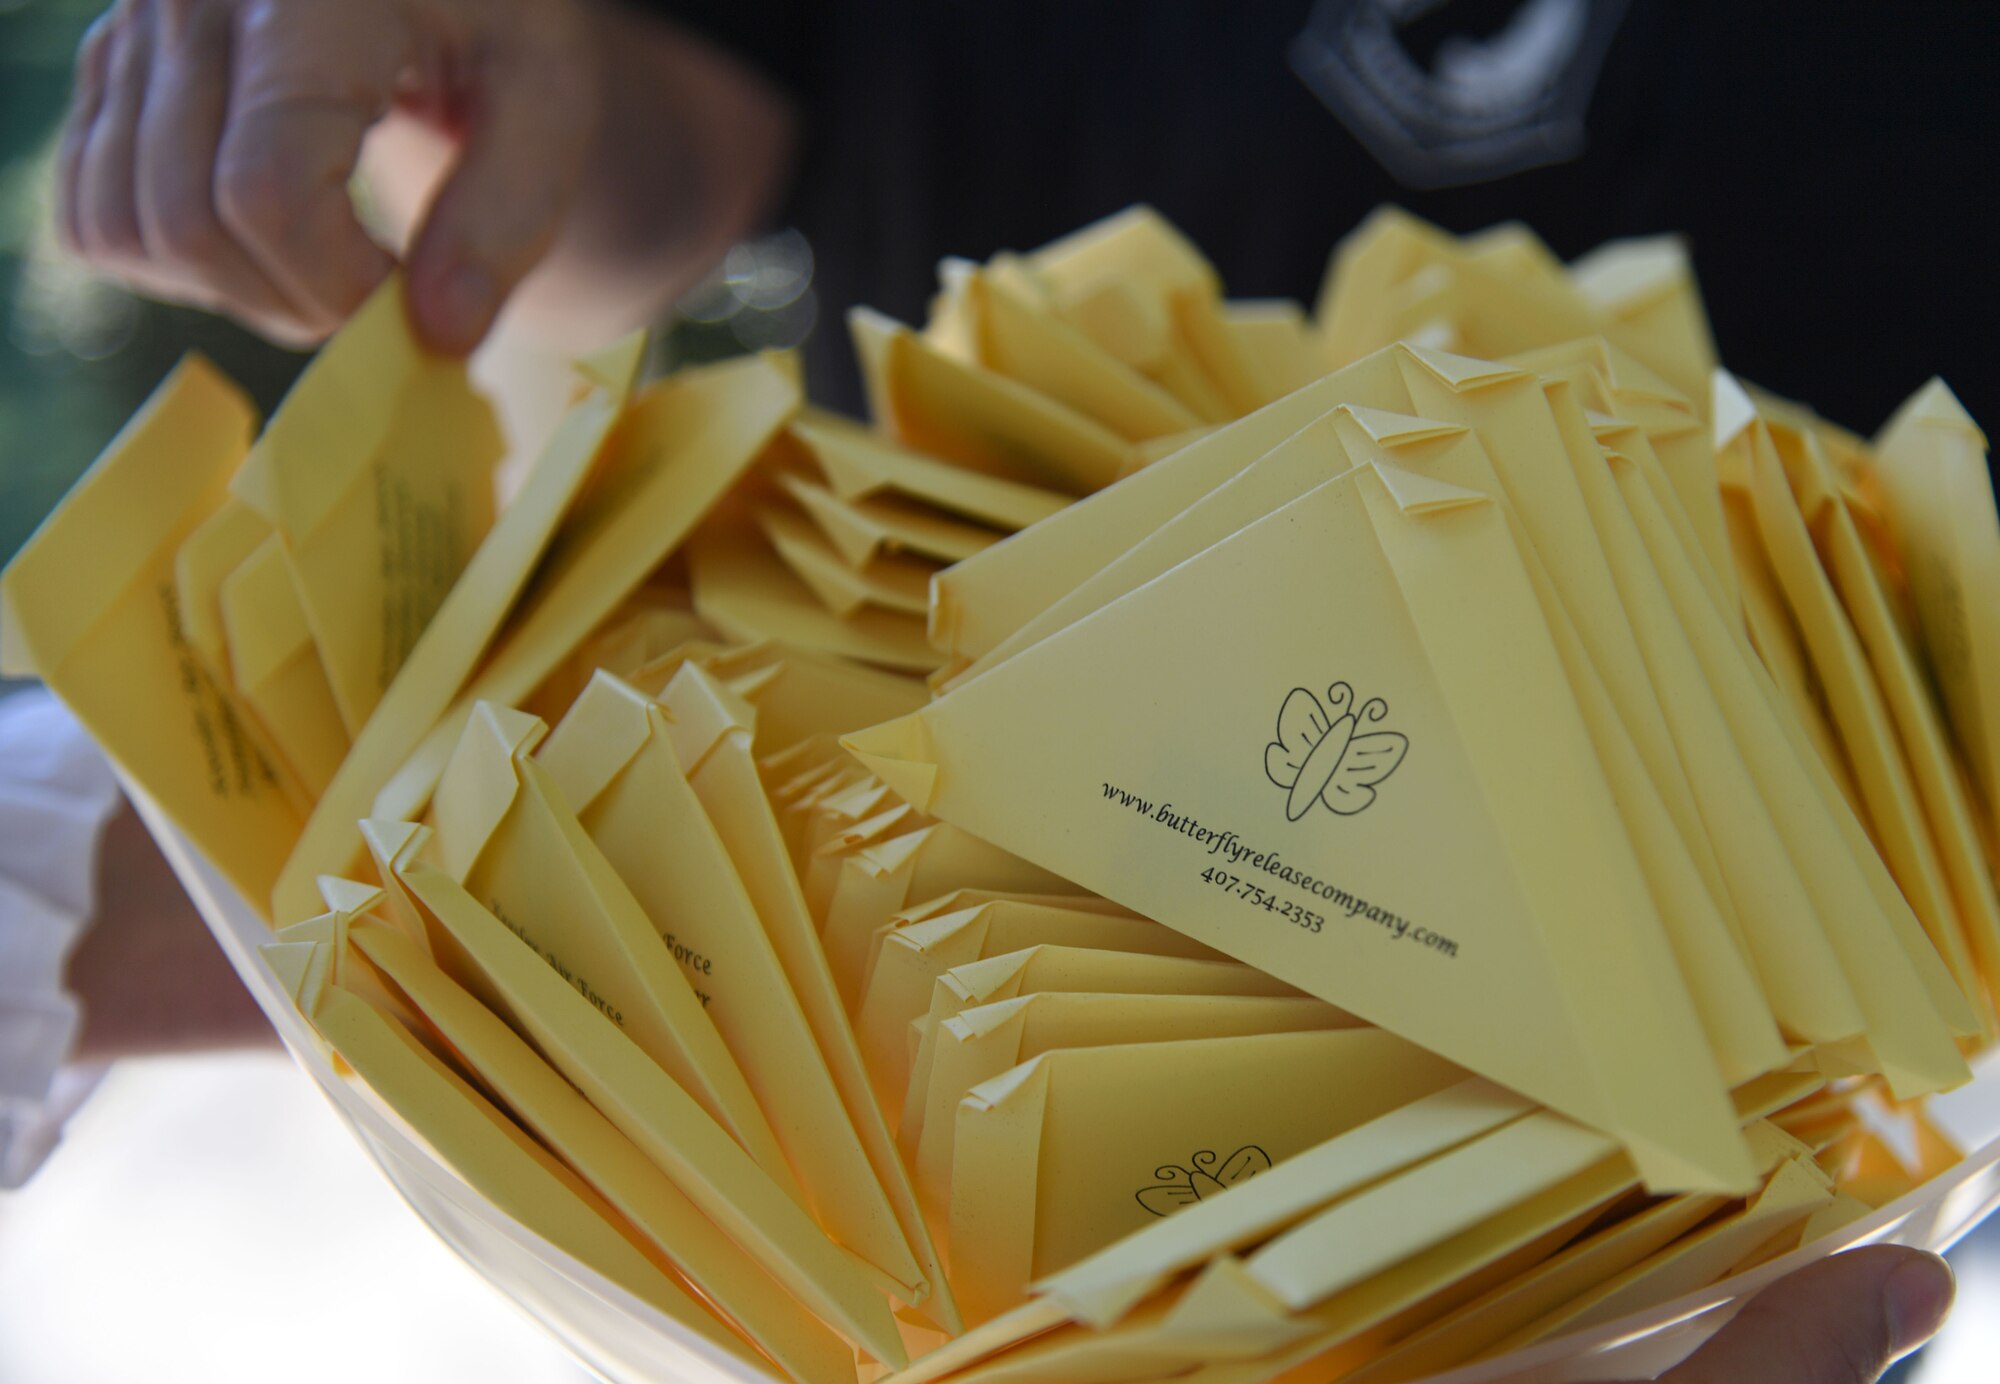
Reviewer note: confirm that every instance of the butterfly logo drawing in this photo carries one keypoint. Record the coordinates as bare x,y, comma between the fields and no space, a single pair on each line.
1322,755
1180,1187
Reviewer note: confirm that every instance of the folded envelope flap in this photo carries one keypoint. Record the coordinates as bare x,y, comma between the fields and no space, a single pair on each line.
261,615
162,474
1418,495
480,782
1461,373
204,561
349,896
1731,407
703,712
1933,406
608,724
899,754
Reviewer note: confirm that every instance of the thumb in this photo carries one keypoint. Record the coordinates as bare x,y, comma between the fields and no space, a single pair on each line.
531,122
1841,1321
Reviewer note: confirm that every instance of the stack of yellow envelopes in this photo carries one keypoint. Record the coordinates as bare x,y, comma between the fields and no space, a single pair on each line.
1432,825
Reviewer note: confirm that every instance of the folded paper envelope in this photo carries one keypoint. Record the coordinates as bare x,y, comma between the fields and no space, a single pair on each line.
1046,968
1875,749
613,757
1283,350
1932,472
677,450
801,694
377,473
909,958
860,464
981,1043
505,833
480,953
576,1132
896,583
88,605
1645,293
276,667
1068,1153
881,878
982,600
1889,963
962,412
1028,342
506,1166
862,530
710,731
1952,814
740,590
458,633
1433,618
654,622
213,551
960,899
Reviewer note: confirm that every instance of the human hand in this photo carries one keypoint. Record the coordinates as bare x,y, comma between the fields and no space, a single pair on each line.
1841,1321
208,149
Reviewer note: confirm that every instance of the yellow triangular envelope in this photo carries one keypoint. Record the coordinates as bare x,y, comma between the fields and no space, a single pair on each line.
1860,710
1952,815
576,1132
88,605
613,756
981,601
879,879
442,660
1050,968
1888,961
1932,472
503,1163
952,409
1279,342
710,730
506,834
213,551
910,954
978,1044
276,669
742,589
859,464
677,449
1070,1152
479,952
893,583
1028,343
377,473
861,530
1645,292
805,694
1360,914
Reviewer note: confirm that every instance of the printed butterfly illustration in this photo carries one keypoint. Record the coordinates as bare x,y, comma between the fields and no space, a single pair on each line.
1182,1187
1320,757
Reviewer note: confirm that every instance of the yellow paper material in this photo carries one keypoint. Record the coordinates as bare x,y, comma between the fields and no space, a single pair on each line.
986,598
630,1089
1645,291
377,473
213,551
458,634
1070,1152
748,595
506,834
892,583
860,464
613,756
1397,947
880,879
710,730
276,669
574,1130
1931,469
1860,711
962,412
910,956
678,448
1795,1192
507,1167
861,530
89,606
654,622
1278,341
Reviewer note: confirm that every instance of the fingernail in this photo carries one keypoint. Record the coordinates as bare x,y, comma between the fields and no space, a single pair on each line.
1918,1295
461,305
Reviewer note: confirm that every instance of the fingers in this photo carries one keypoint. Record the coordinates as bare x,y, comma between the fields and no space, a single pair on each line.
187,100
93,61
306,82
517,174
106,218
1841,1321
